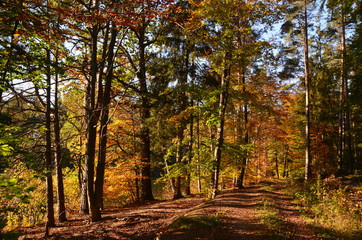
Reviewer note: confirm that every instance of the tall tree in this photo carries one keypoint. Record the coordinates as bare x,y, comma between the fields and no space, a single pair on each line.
50,220
308,160
105,105
145,24
243,134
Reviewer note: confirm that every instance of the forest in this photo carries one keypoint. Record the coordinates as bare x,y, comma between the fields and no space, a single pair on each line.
111,103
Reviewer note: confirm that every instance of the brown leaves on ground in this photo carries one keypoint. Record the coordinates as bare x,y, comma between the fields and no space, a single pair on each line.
231,215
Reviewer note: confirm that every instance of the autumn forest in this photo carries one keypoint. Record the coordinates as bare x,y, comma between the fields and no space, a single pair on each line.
106,103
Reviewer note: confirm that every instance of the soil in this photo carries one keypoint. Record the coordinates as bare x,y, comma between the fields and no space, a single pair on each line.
236,211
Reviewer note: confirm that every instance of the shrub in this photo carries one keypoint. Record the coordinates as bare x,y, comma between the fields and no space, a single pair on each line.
330,205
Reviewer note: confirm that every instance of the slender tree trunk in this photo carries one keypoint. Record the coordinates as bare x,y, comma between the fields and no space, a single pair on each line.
83,207
345,150
191,142
308,160
276,164
285,171
146,183
177,180
188,177
225,80
136,164
246,136
199,186
181,125
58,156
342,100
99,183
92,115
50,221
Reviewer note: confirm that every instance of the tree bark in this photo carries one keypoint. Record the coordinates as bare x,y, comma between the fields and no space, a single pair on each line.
83,207
246,136
190,155
308,160
342,100
285,170
181,124
276,164
58,156
146,184
199,185
345,150
99,183
91,115
50,221
223,97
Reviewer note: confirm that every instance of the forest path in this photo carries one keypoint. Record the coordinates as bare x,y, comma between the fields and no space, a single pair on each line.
238,215
254,213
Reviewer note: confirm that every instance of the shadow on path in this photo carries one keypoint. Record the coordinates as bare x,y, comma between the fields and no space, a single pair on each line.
239,219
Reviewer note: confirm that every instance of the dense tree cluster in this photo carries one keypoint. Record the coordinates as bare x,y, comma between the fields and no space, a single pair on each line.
112,101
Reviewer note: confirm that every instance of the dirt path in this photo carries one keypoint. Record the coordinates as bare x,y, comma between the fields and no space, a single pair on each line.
238,213
241,213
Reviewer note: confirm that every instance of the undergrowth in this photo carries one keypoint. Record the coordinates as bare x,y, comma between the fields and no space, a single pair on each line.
195,222
331,207
269,215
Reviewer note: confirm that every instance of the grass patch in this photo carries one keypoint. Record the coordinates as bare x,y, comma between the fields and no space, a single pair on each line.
331,206
331,234
195,222
267,189
269,215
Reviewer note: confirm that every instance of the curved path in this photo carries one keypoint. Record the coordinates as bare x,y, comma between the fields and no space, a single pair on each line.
238,210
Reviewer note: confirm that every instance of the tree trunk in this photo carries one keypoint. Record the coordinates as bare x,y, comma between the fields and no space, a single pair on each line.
285,171
58,157
345,151
146,184
181,124
50,221
83,208
99,183
308,160
220,128
91,115
177,180
136,164
246,135
276,164
342,100
199,186
188,177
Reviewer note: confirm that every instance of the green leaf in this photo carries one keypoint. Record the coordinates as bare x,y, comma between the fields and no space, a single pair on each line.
5,150
12,181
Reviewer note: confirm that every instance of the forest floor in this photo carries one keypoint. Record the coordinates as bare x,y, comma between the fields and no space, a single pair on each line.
256,212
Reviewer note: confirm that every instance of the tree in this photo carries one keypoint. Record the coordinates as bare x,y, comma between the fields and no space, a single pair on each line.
308,160
145,24
50,221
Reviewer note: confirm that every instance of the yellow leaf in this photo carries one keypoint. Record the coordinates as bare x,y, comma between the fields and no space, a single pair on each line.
16,35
